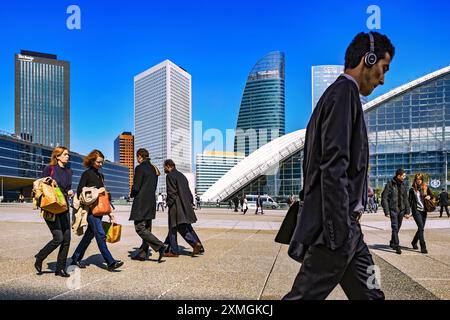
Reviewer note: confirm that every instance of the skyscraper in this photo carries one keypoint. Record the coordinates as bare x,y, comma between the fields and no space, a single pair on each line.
163,116
124,152
322,77
262,112
42,99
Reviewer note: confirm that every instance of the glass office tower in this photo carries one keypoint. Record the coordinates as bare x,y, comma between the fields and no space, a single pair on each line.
42,99
262,112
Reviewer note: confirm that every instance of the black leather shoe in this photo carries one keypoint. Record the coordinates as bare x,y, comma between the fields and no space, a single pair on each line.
414,245
38,265
78,264
138,258
115,265
62,273
424,251
161,253
398,250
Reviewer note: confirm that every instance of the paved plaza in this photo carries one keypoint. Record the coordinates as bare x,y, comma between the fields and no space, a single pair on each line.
241,261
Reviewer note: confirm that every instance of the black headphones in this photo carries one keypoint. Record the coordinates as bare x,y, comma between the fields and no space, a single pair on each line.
370,58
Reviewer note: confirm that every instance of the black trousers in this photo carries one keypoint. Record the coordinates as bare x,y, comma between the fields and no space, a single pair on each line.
420,217
442,211
396,224
61,231
351,266
144,230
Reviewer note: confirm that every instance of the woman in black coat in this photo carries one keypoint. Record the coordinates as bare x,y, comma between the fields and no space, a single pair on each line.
418,194
93,178
59,224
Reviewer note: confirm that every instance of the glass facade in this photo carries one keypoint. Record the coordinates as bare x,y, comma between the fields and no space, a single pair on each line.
42,99
286,180
21,163
262,111
412,131
163,116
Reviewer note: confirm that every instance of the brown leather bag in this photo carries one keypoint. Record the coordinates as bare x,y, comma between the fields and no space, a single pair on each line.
102,206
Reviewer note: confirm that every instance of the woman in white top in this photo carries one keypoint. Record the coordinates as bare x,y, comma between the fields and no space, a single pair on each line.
417,196
245,205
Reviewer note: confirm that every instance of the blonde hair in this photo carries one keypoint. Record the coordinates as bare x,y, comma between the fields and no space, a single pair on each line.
55,154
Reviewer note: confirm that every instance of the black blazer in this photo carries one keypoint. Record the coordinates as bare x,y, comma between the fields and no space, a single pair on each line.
143,191
335,165
179,199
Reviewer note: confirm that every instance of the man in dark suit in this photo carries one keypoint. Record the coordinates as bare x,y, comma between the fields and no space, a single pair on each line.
144,205
443,202
335,165
181,212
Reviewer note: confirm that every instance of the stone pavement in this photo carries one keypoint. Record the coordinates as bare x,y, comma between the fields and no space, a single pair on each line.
241,261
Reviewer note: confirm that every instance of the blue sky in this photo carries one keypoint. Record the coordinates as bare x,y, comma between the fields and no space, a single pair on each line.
217,42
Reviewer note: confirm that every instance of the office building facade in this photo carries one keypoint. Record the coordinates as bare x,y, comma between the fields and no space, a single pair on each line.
42,99
262,111
212,165
124,152
22,162
163,116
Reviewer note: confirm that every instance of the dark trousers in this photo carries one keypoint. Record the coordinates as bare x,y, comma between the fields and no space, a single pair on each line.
442,211
144,230
245,210
396,224
60,229
350,266
257,208
186,231
94,229
420,217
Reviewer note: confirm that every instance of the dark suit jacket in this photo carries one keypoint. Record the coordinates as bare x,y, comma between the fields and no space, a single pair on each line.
179,199
443,198
335,166
143,191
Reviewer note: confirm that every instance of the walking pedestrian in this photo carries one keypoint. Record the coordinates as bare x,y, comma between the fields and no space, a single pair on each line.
58,224
143,191
443,202
92,177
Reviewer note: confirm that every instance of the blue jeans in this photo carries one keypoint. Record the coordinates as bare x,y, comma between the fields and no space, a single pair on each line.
94,229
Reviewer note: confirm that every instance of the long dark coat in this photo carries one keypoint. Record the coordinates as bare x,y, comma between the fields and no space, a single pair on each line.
179,199
143,191
335,167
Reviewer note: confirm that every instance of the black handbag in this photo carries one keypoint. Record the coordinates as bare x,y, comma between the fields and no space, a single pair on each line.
288,225
430,204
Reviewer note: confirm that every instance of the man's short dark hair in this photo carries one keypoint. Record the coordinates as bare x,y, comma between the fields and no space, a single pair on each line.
399,172
143,153
360,45
169,163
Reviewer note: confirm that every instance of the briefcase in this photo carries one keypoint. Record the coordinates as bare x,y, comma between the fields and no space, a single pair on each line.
288,225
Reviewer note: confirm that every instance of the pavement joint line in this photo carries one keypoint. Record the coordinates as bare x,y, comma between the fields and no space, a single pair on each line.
432,279
203,267
19,278
117,275
367,226
270,272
